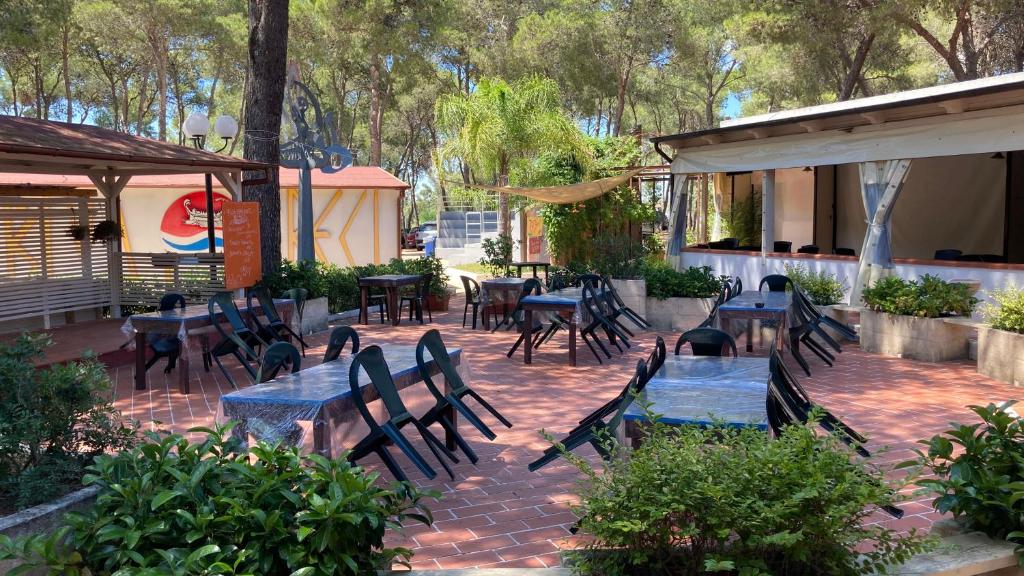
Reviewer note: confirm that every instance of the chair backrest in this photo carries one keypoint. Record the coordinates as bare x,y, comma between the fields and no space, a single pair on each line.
947,254
628,395
775,282
170,301
274,358
225,302
423,287
845,252
299,297
785,379
531,287
432,343
611,294
371,360
266,302
471,288
707,342
727,289
654,362
731,243
737,286
339,337
592,302
594,279
556,283
808,249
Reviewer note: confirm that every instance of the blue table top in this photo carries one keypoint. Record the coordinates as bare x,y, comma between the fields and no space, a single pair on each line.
705,389
198,311
329,382
509,282
565,296
773,302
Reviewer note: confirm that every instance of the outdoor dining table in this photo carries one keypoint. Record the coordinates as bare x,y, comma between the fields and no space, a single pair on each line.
774,306
704,390
391,283
509,288
531,264
322,395
567,303
180,322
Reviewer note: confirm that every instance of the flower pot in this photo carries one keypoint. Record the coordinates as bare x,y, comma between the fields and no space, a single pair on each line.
633,294
1001,355
438,303
677,314
927,339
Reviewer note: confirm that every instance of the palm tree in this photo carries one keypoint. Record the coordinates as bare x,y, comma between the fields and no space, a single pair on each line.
500,123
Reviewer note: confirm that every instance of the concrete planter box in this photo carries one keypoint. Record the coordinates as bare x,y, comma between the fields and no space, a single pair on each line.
927,339
44,518
1001,355
678,314
314,315
633,294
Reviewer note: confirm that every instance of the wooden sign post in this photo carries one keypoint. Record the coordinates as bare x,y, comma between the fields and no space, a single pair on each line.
242,263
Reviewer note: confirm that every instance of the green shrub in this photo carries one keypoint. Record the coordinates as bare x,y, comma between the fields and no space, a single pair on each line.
979,477
823,288
568,275
497,255
1008,311
619,256
695,500
931,297
743,220
431,264
52,422
663,282
174,507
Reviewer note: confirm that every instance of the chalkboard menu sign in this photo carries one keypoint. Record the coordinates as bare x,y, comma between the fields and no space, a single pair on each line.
242,264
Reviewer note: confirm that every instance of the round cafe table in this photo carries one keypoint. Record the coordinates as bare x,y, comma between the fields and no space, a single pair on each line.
509,288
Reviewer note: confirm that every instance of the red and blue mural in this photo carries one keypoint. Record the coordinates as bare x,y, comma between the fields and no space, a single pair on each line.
183,227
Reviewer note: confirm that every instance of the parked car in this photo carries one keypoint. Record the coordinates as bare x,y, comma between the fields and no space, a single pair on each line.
427,231
409,237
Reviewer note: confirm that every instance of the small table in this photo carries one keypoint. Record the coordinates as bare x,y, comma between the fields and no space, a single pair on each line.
567,303
391,283
703,390
505,286
322,395
744,307
179,322
534,265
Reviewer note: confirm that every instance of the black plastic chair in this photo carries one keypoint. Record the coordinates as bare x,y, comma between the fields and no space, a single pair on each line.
275,328
947,254
162,345
339,337
592,302
707,342
418,299
654,363
750,248
782,246
845,330
807,249
371,360
617,307
472,290
277,356
594,429
807,325
532,287
380,300
737,286
731,243
453,399
241,342
845,252
775,282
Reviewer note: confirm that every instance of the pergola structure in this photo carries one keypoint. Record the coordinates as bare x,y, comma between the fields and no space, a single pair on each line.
46,268
884,137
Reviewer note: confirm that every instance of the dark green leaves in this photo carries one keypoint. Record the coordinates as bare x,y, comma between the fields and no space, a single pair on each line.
929,297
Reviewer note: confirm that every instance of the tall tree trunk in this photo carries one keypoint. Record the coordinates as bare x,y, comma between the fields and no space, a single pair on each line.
620,99
264,96
159,47
375,110
853,75
65,55
504,214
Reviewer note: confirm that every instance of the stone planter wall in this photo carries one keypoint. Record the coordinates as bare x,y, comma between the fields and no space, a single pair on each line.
1001,355
927,339
314,315
44,518
678,314
633,294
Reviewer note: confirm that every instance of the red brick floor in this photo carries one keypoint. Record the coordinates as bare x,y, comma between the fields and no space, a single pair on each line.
499,514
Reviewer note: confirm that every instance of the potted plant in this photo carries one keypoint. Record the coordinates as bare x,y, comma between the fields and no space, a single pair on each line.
79,232
905,318
1001,339
825,291
106,231
679,301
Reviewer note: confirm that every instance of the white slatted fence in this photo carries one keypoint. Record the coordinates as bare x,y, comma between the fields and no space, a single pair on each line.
146,276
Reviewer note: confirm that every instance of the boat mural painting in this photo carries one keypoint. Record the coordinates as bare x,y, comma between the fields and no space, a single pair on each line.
183,228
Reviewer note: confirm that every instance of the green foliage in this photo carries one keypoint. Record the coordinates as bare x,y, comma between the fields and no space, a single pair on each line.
424,265
1008,311
172,507
823,288
695,500
53,421
568,275
663,282
930,297
978,473
497,255
743,220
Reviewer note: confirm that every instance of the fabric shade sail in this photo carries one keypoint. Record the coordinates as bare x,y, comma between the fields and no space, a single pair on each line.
977,132
568,194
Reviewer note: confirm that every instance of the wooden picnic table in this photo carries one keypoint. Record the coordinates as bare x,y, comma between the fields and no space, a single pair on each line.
391,283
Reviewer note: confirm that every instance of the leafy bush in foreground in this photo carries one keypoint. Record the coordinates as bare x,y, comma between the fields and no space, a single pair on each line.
663,282
174,507
823,288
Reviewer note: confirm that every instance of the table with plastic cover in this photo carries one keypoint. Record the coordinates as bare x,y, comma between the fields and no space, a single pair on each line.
567,303
533,265
753,305
704,390
509,289
391,283
322,396
184,323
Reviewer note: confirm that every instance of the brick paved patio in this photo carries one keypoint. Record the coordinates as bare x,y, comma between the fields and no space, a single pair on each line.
498,514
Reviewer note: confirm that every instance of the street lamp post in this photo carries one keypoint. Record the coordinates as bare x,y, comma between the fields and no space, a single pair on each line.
196,128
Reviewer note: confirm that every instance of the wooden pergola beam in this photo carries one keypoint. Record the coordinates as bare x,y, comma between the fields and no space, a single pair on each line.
16,190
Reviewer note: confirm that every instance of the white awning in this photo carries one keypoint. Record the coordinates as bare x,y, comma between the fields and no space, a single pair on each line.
975,132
